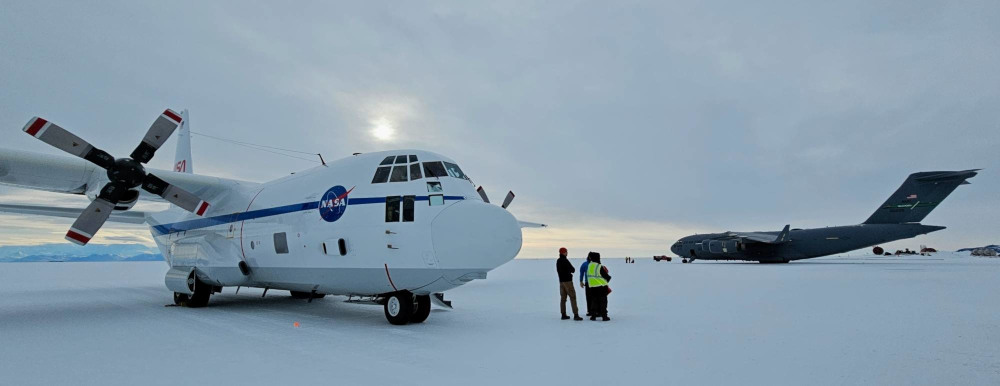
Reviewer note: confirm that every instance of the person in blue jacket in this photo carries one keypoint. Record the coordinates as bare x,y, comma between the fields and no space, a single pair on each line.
583,282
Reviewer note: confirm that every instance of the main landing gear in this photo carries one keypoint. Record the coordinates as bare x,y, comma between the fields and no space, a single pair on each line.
199,298
404,307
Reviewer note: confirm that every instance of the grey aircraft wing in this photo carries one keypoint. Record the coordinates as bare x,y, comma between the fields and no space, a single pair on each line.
766,237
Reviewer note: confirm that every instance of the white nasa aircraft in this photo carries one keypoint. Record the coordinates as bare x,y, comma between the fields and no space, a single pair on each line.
390,228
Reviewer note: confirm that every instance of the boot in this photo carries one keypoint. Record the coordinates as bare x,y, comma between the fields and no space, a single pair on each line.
605,318
577,317
565,317
593,317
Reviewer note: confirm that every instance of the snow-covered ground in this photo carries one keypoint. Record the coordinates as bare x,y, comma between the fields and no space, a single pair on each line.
912,320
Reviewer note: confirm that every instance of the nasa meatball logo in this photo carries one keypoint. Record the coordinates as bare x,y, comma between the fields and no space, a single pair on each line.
334,203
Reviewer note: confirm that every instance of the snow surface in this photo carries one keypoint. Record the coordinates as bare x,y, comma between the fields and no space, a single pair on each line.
912,320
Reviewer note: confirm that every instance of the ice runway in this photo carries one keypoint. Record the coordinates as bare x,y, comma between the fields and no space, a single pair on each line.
910,320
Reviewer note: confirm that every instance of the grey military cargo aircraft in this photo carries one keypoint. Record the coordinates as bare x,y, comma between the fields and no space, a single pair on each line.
898,218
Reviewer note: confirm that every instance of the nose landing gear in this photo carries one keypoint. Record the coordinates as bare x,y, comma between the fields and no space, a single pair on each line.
403,307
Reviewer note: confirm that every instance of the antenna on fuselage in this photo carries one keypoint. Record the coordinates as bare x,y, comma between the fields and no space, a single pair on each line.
321,159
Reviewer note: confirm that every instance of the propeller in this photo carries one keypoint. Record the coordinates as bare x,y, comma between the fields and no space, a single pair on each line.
506,201
125,174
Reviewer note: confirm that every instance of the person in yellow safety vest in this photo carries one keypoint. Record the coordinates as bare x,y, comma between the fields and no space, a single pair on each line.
597,287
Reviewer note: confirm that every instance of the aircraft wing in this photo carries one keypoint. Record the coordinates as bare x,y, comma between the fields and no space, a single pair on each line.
62,174
767,238
130,217
525,224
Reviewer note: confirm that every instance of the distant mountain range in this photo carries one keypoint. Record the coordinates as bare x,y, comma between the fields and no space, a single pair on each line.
73,253
993,247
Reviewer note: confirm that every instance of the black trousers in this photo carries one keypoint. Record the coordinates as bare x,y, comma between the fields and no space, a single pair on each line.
597,300
590,302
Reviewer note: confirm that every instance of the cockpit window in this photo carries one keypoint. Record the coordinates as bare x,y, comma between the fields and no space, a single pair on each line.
413,158
388,160
381,175
401,159
415,172
454,170
434,169
398,173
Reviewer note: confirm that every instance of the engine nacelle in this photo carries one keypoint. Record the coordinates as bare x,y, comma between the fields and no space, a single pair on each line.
131,197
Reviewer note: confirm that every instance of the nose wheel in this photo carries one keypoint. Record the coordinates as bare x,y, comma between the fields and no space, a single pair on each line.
403,307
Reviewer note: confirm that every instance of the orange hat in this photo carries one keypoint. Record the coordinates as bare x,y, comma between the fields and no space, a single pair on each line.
563,251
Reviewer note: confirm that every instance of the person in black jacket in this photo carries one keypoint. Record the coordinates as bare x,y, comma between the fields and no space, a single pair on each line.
565,270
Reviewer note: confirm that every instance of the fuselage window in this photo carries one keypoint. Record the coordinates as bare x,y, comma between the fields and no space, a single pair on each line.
434,169
408,204
434,187
398,174
415,172
401,159
392,209
381,175
435,199
280,243
388,160
342,246
454,170
413,158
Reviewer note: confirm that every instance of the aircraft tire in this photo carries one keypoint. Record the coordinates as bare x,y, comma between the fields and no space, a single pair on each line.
398,307
202,292
421,308
306,295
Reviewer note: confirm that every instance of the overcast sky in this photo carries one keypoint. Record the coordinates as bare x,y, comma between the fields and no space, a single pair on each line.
622,125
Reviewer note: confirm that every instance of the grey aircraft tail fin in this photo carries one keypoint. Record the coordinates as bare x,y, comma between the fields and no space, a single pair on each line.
918,196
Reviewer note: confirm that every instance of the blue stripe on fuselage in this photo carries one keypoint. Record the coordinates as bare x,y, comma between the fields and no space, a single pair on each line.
206,222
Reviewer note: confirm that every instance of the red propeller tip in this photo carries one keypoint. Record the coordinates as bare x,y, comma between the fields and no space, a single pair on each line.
202,208
172,115
34,127
76,237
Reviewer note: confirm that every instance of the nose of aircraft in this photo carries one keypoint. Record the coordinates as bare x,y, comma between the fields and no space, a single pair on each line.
474,235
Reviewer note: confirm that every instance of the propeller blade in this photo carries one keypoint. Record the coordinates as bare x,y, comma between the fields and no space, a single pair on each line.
482,193
508,199
175,195
159,131
62,139
90,221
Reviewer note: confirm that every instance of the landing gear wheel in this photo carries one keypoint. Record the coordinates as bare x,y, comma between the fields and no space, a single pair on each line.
685,261
306,295
421,308
399,308
199,298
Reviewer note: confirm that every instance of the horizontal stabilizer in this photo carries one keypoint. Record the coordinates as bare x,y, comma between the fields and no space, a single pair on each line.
525,224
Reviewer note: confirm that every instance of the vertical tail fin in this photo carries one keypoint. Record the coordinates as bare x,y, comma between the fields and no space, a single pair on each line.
918,196
182,159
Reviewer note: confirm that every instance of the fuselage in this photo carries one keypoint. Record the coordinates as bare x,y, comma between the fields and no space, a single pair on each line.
801,244
363,225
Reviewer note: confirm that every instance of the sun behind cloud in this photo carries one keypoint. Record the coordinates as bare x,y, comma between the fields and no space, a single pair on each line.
383,129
